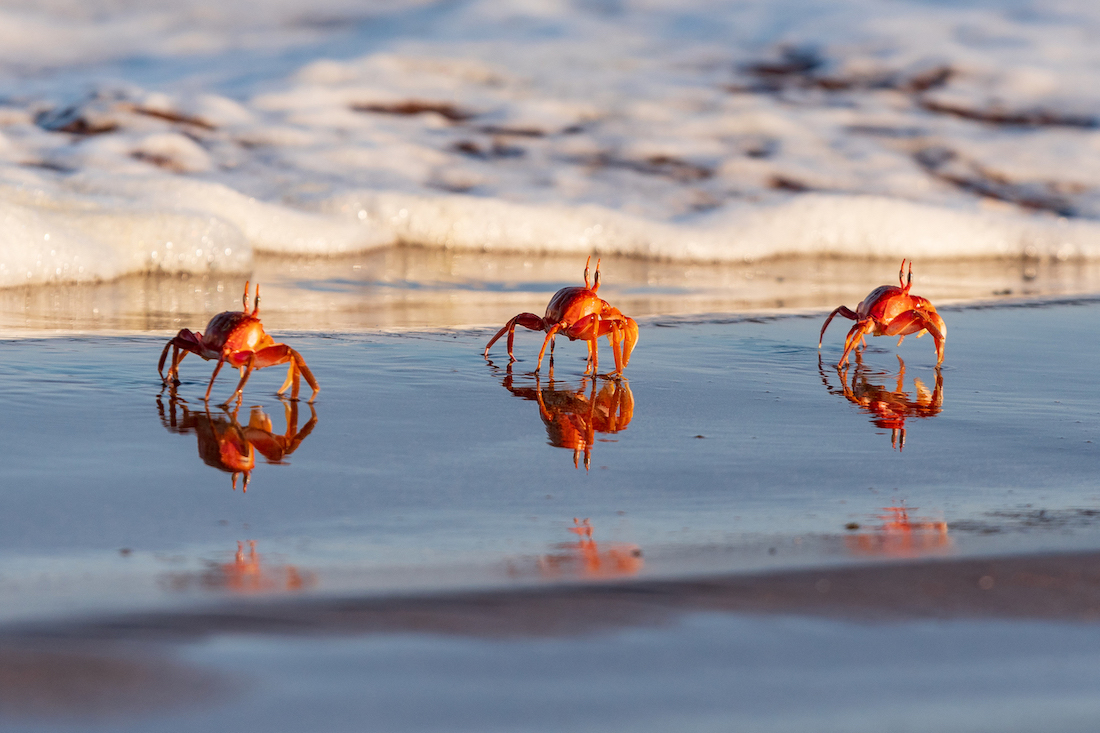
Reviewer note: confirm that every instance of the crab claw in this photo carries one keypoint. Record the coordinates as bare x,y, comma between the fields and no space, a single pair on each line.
625,338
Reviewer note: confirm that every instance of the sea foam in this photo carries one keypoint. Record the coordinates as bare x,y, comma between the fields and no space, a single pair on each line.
702,131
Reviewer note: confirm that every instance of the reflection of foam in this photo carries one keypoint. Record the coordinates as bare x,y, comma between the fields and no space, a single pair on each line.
901,536
419,287
585,559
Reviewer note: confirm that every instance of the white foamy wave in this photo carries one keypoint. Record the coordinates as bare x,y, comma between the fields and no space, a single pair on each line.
674,129
198,228
811,224
265,226
43,244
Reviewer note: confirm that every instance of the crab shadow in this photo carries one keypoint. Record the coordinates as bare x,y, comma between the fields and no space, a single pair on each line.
229,446
574,411
881,394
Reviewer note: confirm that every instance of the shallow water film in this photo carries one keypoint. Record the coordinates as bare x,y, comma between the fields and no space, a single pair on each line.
441,512
378,520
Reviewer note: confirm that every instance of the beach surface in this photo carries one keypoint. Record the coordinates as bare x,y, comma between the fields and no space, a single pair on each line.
734,535
695,543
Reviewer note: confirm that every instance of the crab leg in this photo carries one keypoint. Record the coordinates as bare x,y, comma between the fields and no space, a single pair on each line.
185,341
163,356
527,320
244,377
281,354
842,310
913,321
549,337
292,379
177,357
589,329
300,368
218,368
854,336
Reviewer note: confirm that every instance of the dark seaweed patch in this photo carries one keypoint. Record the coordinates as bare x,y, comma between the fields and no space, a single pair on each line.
783,183
160,161
175,117
997,115
793,62
886,131
416,107
803,68
512,131
497,149
655,165
76,120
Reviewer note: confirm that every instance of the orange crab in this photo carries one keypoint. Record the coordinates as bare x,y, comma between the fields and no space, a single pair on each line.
579,314
891,311
237,338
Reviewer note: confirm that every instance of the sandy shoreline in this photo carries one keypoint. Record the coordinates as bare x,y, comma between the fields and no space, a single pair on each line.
430,517
424,288
164,672
1063,587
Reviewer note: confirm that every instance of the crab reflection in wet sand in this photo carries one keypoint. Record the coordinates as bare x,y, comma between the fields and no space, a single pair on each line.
226,445
900,535
889,408
585,558
247,573
575,415
237,338
579,314
890,311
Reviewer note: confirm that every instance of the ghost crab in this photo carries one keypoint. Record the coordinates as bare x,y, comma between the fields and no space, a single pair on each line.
579,313
891,311
237,338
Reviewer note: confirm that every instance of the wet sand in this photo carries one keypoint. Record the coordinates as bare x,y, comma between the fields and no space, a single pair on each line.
756,537
424,288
